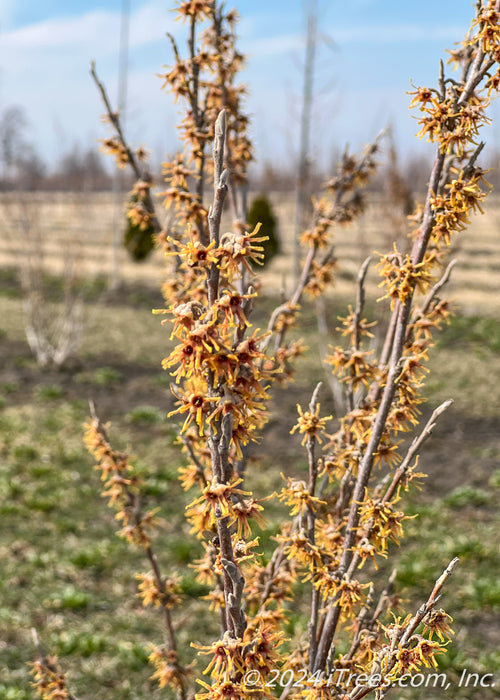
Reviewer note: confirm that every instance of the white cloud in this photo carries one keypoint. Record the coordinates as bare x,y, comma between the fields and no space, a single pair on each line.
76,32
96,30
150,23
273,46
44,68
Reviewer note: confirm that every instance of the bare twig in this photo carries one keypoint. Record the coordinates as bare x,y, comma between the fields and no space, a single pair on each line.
140,174
414,449
436,288
114,119
360,301
432,600
215,212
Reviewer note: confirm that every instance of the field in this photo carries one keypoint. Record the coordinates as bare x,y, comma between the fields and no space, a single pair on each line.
66,573
82,225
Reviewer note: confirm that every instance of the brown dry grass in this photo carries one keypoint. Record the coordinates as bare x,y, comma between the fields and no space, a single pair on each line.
88,220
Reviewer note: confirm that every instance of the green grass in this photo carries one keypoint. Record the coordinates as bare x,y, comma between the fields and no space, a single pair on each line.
104,376
65,572
64,569
475,333
144,415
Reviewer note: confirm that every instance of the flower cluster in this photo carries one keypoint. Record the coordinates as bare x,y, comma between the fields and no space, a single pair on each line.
401,659
168,671
49,680
121,487
205,82
166,595
233,659
402,276
363,471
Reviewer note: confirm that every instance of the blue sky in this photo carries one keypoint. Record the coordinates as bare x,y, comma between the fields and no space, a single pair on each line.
361,78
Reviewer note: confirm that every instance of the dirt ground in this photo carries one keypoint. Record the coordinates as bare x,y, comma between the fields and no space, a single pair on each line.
464,448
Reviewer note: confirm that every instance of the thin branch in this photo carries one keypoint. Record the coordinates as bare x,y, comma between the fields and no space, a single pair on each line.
403,637
360,300
383,599
114,119
200,472
436,288
289,306
415,448
215,212
221,429
364,472
138,521
336,387
430,603
311,522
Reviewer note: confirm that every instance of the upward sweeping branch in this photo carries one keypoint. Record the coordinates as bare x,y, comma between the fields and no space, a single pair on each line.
452,118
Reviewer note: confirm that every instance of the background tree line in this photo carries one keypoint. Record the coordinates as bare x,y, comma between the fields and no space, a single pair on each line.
81,168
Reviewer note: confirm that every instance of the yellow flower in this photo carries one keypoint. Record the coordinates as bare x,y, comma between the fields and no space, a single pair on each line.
168,669
196,405
426,650
297,495
226,656
202,510
245,510
352,365
310,424
152,594
194,253
402,277
50,681
240,248
439,622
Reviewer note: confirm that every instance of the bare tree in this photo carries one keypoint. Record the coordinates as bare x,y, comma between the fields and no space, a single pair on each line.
302,193
79,171
53,320
13,123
